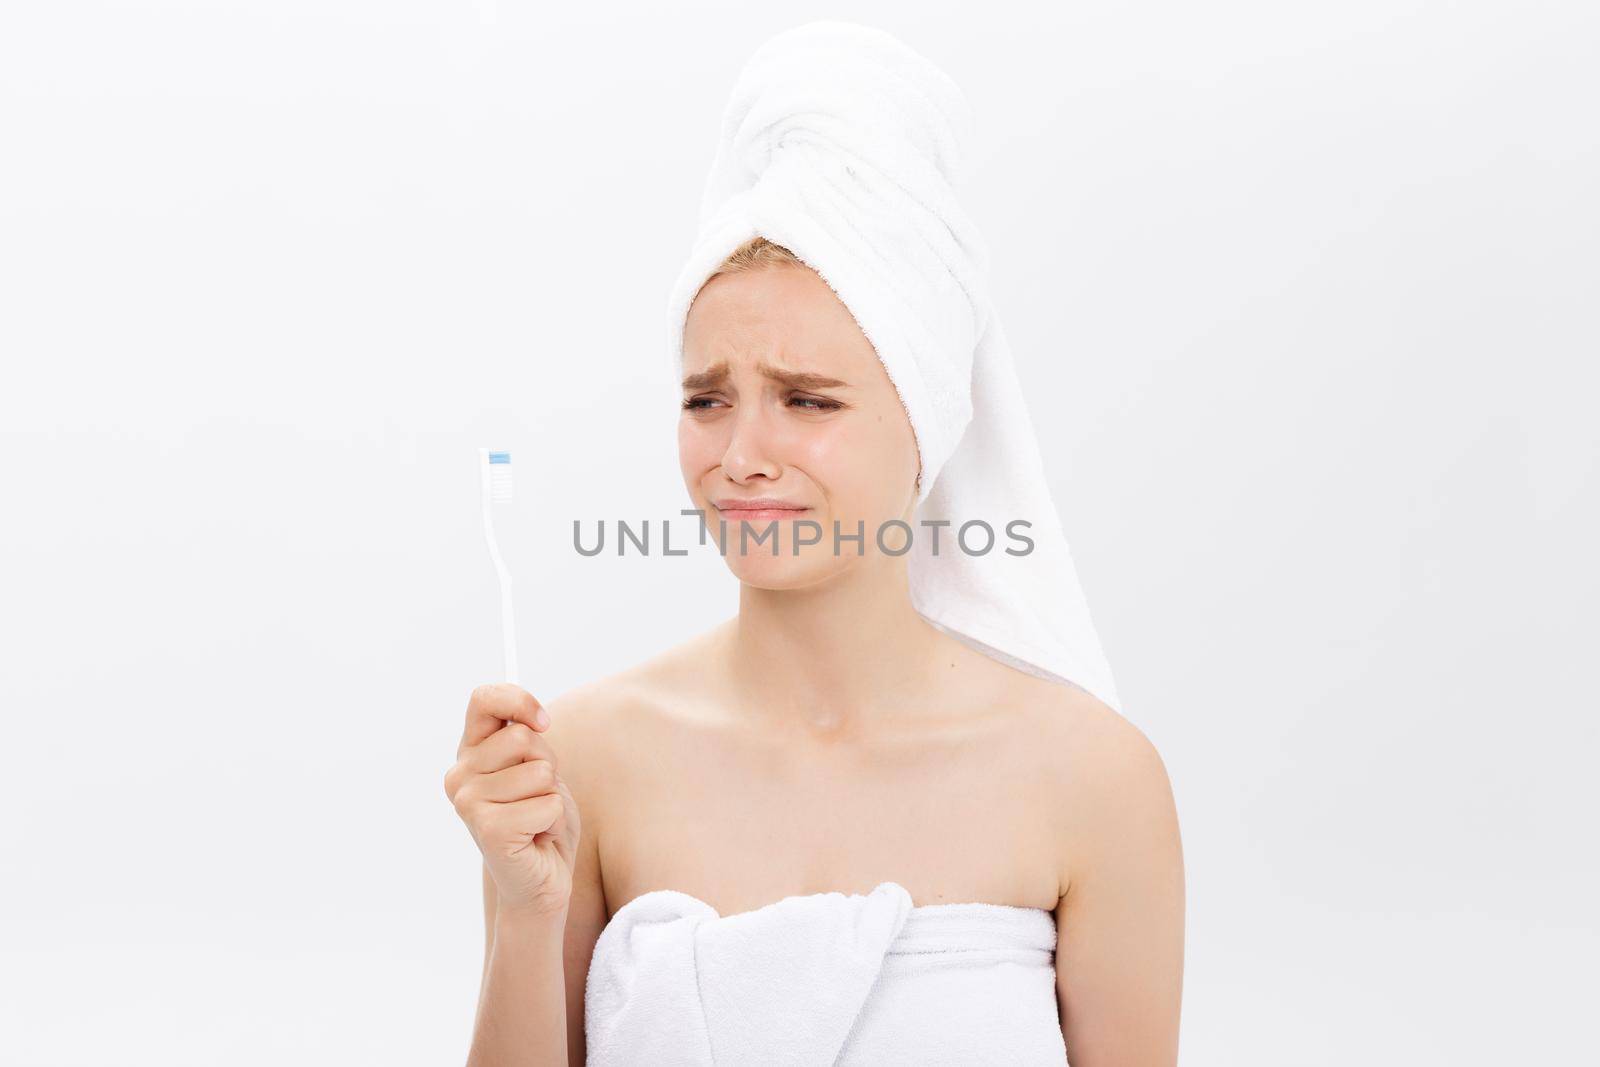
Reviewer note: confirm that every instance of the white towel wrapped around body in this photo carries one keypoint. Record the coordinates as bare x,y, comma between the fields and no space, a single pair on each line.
823,979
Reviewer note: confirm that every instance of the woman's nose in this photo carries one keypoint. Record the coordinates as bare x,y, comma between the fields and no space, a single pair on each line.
750,448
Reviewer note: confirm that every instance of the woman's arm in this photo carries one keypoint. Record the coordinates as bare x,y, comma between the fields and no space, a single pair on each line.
544,969
1119,958
522,1005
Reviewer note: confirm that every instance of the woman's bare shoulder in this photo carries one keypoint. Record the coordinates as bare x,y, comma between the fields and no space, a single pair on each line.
1112,781
1093,727
637,699
1099,751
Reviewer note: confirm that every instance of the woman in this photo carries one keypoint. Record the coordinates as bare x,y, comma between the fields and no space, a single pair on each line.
835,828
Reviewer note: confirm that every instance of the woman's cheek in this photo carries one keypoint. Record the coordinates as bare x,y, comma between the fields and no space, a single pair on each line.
696,450
831,456
850,462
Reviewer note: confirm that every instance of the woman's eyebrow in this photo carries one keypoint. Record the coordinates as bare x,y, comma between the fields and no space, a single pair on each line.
717,372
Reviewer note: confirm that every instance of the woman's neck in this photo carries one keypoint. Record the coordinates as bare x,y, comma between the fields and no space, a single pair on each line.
833,659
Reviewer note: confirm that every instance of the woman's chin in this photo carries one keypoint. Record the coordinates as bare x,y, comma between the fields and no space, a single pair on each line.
764,571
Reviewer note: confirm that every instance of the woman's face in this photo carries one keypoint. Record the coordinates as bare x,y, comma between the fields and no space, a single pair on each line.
786,399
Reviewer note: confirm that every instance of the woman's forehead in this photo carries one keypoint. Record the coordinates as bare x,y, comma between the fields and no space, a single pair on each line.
786,318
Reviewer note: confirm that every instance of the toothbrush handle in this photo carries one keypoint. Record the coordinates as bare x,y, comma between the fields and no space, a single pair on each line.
508,627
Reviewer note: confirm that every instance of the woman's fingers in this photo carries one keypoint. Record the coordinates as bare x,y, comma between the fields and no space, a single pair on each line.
513,744
505,788
494,705
520,782
513,826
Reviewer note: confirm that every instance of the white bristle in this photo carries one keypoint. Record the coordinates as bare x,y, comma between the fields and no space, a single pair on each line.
500,480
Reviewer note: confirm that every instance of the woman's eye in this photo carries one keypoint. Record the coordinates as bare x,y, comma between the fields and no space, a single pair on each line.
812,403
808,403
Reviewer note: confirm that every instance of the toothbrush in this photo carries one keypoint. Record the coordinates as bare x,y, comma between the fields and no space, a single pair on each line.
495,468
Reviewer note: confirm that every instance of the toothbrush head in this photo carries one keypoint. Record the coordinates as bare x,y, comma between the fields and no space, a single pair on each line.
496,477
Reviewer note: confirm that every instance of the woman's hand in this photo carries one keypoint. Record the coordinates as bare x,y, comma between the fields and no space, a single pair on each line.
505,787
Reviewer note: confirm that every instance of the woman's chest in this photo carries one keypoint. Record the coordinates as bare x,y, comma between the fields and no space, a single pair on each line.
741,826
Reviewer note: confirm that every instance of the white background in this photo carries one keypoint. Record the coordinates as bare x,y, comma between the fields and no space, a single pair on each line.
1303,296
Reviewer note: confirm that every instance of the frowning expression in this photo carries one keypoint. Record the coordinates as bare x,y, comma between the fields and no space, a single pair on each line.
788,411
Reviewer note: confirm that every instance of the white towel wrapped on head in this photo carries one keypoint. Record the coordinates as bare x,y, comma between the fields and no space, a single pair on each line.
845,145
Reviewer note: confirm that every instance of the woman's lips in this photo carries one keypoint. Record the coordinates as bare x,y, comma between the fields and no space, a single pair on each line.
761,514
758,508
